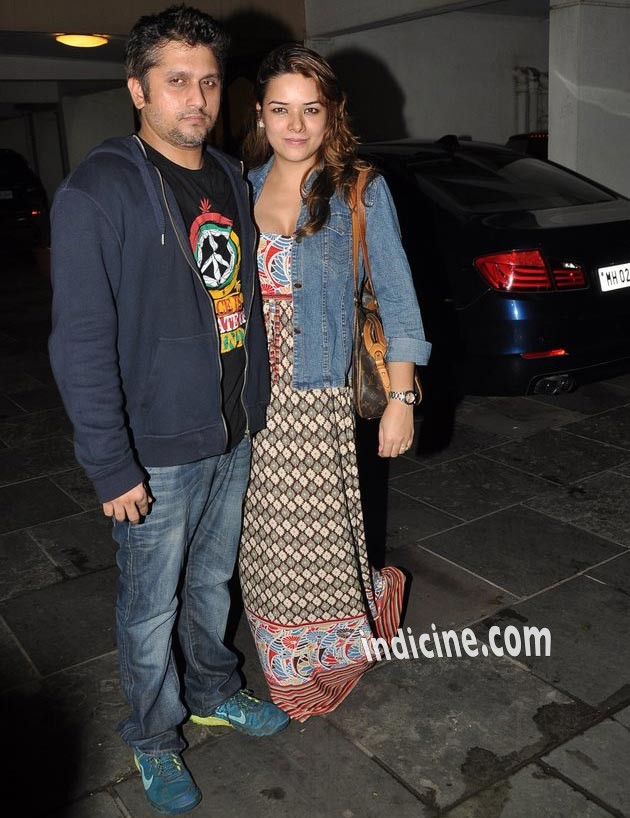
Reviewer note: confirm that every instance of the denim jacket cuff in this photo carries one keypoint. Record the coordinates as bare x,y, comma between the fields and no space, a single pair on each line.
408,349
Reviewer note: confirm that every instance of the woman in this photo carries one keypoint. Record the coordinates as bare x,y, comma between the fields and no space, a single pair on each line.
309,592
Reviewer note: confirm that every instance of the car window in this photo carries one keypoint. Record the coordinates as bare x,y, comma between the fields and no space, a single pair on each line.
490,183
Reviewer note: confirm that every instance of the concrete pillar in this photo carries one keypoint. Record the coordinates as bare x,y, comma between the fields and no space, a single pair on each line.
589,89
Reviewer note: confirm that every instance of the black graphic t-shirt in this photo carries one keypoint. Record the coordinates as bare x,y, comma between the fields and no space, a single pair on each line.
208,207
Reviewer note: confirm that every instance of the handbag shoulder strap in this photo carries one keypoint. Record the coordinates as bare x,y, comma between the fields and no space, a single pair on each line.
359,239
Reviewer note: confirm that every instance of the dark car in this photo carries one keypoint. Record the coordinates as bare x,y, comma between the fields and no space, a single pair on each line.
23,202
521,266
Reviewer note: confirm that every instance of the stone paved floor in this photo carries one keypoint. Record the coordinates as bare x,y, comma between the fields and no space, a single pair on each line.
522,519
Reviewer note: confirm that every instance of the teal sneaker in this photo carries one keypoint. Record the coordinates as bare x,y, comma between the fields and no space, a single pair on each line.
247,714
167,783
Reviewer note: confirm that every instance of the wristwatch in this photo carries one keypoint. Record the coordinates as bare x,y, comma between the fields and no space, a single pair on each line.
410,397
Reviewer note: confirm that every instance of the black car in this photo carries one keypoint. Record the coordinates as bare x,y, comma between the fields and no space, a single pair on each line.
521,266
23,203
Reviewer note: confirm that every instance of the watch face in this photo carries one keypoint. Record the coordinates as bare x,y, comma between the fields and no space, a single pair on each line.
410,397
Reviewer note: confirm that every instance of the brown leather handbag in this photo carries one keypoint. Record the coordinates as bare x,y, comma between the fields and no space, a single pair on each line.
370,379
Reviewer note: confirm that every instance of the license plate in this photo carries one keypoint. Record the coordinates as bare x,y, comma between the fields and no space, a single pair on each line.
614,278
6,194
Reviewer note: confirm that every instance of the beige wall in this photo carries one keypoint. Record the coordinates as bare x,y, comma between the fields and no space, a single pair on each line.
92,118
589,89
117,16
329,18
429,77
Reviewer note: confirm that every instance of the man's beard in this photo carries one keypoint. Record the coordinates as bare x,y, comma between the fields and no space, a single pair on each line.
188,140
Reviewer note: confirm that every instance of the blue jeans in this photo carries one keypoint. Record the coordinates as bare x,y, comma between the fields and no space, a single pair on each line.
174,571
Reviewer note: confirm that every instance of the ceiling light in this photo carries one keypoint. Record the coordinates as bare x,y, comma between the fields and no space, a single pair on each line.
82,40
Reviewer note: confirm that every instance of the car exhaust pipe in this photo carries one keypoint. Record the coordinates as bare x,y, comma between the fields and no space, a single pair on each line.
555,385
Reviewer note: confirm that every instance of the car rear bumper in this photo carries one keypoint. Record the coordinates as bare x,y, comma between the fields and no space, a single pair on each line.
513,375
594,330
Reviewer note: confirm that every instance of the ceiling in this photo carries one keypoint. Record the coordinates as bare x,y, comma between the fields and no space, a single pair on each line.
37,44
522,8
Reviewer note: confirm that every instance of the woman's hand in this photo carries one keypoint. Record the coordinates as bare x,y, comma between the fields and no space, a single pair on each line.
395,432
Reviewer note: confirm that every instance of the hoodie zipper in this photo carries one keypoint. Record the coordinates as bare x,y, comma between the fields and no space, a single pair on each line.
251,304
199,277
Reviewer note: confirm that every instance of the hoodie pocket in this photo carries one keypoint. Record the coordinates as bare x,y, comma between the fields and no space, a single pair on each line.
183,391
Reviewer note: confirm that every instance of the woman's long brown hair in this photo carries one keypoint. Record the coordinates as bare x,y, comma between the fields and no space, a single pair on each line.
337,164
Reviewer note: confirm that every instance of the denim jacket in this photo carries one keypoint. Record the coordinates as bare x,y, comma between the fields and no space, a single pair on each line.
323,289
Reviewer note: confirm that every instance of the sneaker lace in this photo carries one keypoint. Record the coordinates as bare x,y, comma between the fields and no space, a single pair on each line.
245,700
168,766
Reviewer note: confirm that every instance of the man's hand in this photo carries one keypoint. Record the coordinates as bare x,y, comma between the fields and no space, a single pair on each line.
129,506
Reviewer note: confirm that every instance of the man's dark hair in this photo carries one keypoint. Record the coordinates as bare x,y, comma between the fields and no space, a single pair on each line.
180,23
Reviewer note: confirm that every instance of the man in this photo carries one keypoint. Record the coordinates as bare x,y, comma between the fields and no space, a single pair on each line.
159,351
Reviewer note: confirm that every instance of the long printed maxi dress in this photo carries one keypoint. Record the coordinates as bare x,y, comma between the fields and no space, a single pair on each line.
309,592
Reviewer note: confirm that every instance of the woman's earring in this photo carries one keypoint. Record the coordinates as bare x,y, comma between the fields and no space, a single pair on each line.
261,124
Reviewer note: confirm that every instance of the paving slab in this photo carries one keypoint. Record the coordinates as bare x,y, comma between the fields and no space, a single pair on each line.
24,566
307,771
465,439
17,356
624,468
17,381
35,426
67,623
589,399
471,486
598,761
528,793
622,381
77,486
404,465
521,550
33,502
444,594
79,544
38,459
9,408
610,427
32,327
623,717
15,668
513,417
590,639
36,400
99,805
599,504
615,573
448,727
409,520
65,725
558,456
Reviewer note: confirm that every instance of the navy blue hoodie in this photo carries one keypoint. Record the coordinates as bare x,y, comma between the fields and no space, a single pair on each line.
134,345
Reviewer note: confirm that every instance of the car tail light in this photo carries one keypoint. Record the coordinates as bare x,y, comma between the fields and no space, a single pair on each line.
515,271
566,275
546,353
527,271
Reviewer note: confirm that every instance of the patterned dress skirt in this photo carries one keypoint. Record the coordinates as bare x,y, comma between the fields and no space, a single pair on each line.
308,589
